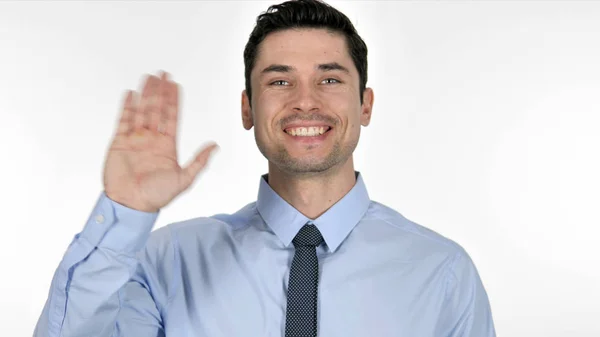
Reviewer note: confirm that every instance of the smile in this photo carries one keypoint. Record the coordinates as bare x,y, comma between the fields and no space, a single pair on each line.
309,131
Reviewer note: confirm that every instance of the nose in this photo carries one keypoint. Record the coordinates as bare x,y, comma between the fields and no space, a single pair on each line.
305,98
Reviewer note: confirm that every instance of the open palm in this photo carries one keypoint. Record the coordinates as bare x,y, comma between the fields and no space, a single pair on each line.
141,169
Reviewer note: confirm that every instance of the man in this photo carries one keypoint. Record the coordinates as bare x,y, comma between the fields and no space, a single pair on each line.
312,256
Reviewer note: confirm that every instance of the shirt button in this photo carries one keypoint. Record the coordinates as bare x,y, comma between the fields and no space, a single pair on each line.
99,218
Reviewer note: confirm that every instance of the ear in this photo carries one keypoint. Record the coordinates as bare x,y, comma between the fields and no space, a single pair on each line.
367,107
247,119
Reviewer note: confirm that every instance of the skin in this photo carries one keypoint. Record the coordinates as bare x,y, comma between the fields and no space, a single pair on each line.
314,177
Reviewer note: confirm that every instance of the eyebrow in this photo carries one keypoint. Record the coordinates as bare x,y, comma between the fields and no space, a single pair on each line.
333,66
281,68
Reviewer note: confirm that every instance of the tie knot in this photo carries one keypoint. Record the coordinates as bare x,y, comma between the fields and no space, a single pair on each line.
308,235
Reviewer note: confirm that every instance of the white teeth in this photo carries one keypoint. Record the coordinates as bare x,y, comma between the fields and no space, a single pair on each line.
307,132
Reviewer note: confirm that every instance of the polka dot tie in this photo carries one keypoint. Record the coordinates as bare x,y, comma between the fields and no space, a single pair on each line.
301,313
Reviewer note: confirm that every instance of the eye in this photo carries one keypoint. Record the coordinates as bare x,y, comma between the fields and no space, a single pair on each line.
331,79
278,82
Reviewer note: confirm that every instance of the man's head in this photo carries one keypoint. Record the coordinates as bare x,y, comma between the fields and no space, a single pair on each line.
305,64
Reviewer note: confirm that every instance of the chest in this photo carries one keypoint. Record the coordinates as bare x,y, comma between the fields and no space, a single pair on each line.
245,295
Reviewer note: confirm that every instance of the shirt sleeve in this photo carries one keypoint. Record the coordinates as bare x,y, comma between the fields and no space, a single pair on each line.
467,311
103,270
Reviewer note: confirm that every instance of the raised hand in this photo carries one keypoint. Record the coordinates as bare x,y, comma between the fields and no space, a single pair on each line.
141,169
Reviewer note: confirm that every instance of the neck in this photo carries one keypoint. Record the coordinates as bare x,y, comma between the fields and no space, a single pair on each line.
314,193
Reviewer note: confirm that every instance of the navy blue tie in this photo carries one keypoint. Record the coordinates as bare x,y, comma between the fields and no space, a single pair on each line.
301,312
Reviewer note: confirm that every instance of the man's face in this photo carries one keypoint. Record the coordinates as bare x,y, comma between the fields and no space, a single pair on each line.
305,78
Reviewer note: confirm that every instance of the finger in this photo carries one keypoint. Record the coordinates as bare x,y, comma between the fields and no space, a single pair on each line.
156,115
171,109
193,168
147,103
129,107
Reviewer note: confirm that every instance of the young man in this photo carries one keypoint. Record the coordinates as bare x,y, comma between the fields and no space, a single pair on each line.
312,256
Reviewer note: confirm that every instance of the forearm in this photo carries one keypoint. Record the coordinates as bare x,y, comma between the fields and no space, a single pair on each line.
83,297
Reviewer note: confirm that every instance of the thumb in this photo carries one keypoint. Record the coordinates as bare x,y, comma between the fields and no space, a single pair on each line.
196,165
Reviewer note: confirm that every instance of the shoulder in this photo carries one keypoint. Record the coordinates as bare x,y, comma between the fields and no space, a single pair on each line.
424,242
427,241
204,226
420,235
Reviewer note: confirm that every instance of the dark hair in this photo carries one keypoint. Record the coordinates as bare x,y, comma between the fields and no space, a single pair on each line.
306,14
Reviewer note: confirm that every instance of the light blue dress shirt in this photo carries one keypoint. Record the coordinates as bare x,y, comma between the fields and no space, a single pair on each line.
226,275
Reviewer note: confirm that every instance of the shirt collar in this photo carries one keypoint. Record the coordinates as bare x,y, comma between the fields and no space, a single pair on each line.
335,224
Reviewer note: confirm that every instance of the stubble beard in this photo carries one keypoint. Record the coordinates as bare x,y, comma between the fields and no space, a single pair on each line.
308,165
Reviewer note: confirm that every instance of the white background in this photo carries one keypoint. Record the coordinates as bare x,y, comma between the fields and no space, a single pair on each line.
484,129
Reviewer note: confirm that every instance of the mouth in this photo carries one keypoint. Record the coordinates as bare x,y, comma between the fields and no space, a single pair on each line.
308,131
309,134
